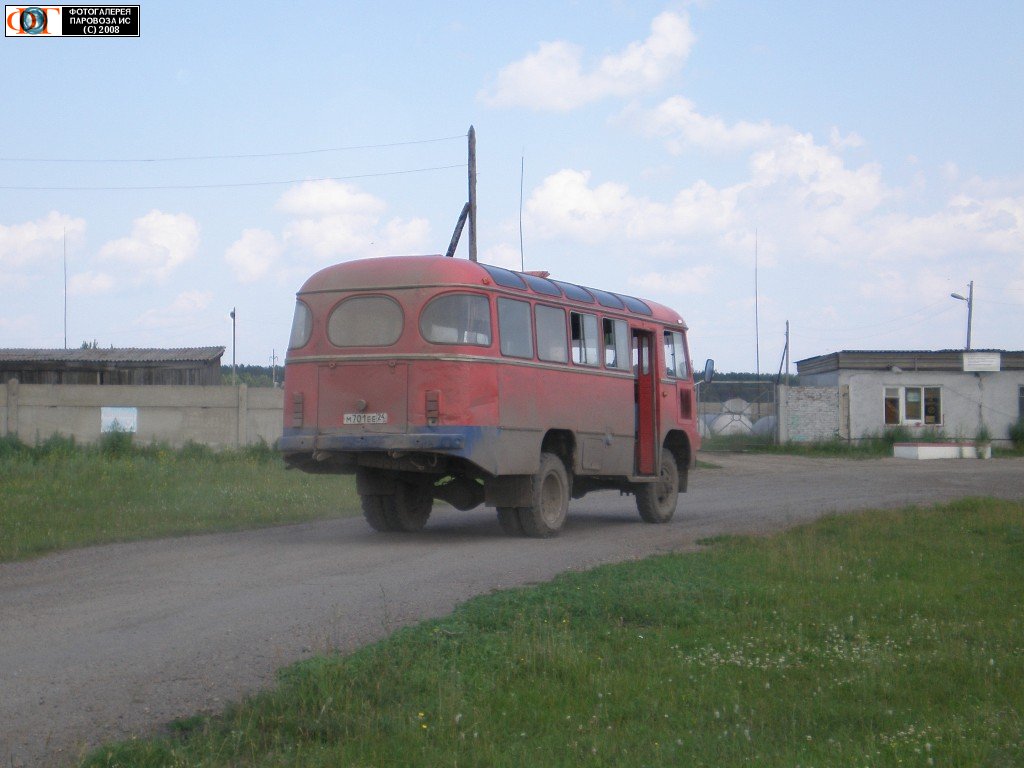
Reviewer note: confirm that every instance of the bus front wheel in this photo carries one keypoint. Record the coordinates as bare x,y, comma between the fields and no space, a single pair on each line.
656,501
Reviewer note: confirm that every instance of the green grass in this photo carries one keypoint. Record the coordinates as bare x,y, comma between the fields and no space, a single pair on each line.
890,638
58,495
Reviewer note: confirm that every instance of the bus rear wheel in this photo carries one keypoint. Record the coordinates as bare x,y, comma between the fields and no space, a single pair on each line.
656,501
550,499
508,518
405,511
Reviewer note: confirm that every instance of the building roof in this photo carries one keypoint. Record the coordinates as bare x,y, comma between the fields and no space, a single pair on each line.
112,355
907,360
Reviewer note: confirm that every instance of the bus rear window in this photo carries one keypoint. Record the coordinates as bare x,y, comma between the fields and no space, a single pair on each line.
365,321
302,326
457,318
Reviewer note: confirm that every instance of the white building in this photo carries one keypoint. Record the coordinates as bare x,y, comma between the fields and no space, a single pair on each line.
857,394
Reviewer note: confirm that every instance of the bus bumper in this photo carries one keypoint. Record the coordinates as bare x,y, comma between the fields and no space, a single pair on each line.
352,443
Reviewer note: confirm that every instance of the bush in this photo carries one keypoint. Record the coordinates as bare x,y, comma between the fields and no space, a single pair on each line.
1017,434
11,446
57,446
116,444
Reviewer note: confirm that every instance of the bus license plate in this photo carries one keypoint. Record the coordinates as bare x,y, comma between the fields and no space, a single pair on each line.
366,418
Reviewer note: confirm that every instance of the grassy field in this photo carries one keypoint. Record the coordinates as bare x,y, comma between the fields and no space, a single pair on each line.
889,638
59,495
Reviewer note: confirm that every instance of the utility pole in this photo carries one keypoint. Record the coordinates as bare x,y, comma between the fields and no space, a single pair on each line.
234,377
273,367
472,193
787,351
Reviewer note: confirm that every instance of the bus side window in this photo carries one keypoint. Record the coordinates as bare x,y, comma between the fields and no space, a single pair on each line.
616,344
457,318
675,355
584,338
514,328
550,333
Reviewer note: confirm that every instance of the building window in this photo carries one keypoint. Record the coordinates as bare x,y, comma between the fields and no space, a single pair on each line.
913,406
1020,403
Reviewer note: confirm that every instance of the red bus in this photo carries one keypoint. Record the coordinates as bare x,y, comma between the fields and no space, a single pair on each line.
437,378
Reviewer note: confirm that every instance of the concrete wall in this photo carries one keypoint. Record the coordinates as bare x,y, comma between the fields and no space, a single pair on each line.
221,417
809,414
968,400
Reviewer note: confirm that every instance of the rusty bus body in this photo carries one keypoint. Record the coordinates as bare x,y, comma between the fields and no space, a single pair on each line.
436,378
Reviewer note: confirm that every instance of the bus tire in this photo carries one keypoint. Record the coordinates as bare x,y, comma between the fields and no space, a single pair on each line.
508,517
550,499
656,501
411,506
405,511
374,511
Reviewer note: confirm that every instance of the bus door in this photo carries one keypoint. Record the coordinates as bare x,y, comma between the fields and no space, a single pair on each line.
643,389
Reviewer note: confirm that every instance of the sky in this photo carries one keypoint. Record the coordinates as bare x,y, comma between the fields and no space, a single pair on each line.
841,166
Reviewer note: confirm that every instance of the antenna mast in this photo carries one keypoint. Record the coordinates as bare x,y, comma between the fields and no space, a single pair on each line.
65,287
522,172
757,319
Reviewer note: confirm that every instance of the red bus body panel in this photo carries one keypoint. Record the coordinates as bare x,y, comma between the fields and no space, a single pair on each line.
468,402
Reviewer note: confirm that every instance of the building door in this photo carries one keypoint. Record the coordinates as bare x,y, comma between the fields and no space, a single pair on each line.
643,389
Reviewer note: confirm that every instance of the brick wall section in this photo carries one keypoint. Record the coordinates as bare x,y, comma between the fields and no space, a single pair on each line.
808,414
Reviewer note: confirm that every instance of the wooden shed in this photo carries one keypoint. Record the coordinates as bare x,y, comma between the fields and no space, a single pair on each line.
191,366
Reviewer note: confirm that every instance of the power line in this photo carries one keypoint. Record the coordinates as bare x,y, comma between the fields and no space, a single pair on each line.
246,156
231,185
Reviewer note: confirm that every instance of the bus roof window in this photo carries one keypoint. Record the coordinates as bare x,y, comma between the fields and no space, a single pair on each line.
574,292
635,305
540,285
606,299
505,277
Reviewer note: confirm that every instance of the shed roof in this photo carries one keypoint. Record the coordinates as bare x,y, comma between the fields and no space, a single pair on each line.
112,355
908,360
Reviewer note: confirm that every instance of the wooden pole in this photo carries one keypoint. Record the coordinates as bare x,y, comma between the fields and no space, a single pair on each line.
472,193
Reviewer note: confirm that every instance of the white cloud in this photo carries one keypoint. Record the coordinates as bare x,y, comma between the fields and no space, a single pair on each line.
329,198
159,244
849,141
553,78
181,311
24,244
696,279
335,220
502,255
678,122
566,204
90,283
406,237
253,255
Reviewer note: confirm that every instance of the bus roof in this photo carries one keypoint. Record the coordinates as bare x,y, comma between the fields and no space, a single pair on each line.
390,272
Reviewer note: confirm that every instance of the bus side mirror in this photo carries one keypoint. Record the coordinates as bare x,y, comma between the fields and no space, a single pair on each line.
709,370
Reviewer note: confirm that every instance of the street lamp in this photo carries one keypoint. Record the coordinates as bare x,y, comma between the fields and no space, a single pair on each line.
969,298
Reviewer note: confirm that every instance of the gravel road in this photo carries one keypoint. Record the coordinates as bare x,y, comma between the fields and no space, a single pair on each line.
102,643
